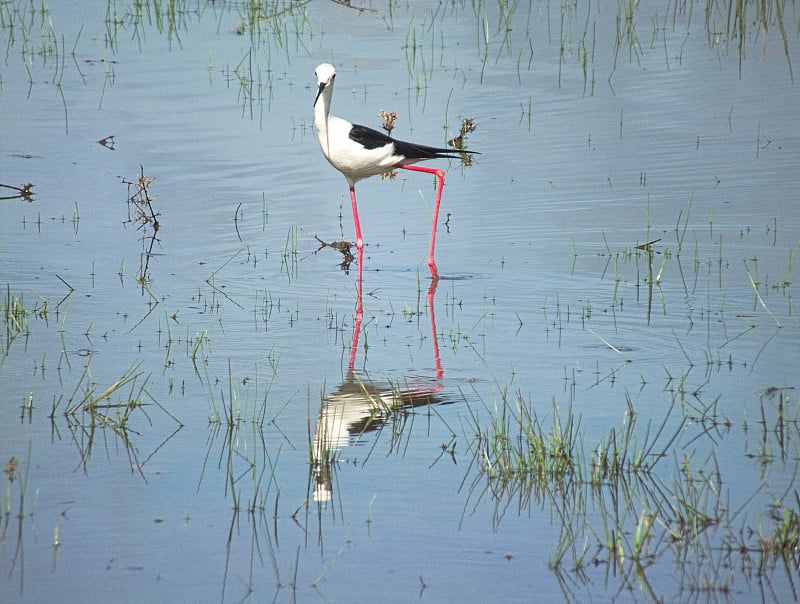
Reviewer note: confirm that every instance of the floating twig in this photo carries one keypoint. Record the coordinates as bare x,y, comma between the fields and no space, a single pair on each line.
23,192
107,142
646,247
144,215
343,247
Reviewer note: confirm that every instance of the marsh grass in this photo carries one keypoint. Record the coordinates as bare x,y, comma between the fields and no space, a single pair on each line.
734,21
17,318
626,496
644,493
504,32
692,263
17,475
241,411
92,412
237,431
616,507
169,17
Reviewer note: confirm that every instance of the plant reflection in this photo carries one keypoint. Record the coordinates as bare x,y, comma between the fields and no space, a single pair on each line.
141,213
110,418
618,510
92,412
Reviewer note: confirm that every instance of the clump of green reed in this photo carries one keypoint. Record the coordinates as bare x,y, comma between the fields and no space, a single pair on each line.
92,409
619,453
244,402
515,445
14,474
625,506
243,452
169,17
17,475
289,257
16,318
731,21
518,455
783,541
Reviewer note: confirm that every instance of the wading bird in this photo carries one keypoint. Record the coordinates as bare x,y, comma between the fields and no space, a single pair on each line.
359,152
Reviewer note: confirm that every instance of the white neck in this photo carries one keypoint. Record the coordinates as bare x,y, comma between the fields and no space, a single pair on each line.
321,111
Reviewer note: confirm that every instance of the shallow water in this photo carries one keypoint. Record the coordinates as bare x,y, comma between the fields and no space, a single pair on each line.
321,485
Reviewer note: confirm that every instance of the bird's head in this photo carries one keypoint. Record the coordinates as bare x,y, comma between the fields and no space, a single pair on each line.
325,74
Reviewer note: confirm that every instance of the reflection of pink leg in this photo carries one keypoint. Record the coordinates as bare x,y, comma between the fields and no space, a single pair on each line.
360,314
359,308
440,178
431,296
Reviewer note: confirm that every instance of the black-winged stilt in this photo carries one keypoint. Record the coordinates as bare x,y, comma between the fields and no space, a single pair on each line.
359,152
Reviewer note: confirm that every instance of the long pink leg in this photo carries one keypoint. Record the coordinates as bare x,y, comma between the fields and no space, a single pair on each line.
359,241
360,249
440,177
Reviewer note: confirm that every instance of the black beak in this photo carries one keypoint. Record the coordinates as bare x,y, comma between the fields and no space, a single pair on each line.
319,92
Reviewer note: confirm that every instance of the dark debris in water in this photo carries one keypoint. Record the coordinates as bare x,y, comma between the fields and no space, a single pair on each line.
344,247
22,192
107,142
460,141
647,247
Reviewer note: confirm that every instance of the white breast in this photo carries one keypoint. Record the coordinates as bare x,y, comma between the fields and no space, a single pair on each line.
349,157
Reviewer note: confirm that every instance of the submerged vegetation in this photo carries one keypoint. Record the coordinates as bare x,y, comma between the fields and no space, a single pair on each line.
616,508
640,497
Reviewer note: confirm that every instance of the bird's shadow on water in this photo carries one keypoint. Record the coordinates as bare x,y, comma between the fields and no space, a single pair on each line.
458,277
419,270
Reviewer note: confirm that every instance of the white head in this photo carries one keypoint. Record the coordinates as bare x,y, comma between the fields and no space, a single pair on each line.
325,75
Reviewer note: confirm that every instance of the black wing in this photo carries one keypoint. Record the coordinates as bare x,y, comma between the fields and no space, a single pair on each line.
372,139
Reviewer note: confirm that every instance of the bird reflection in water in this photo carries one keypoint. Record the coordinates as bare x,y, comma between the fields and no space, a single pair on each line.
360,405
